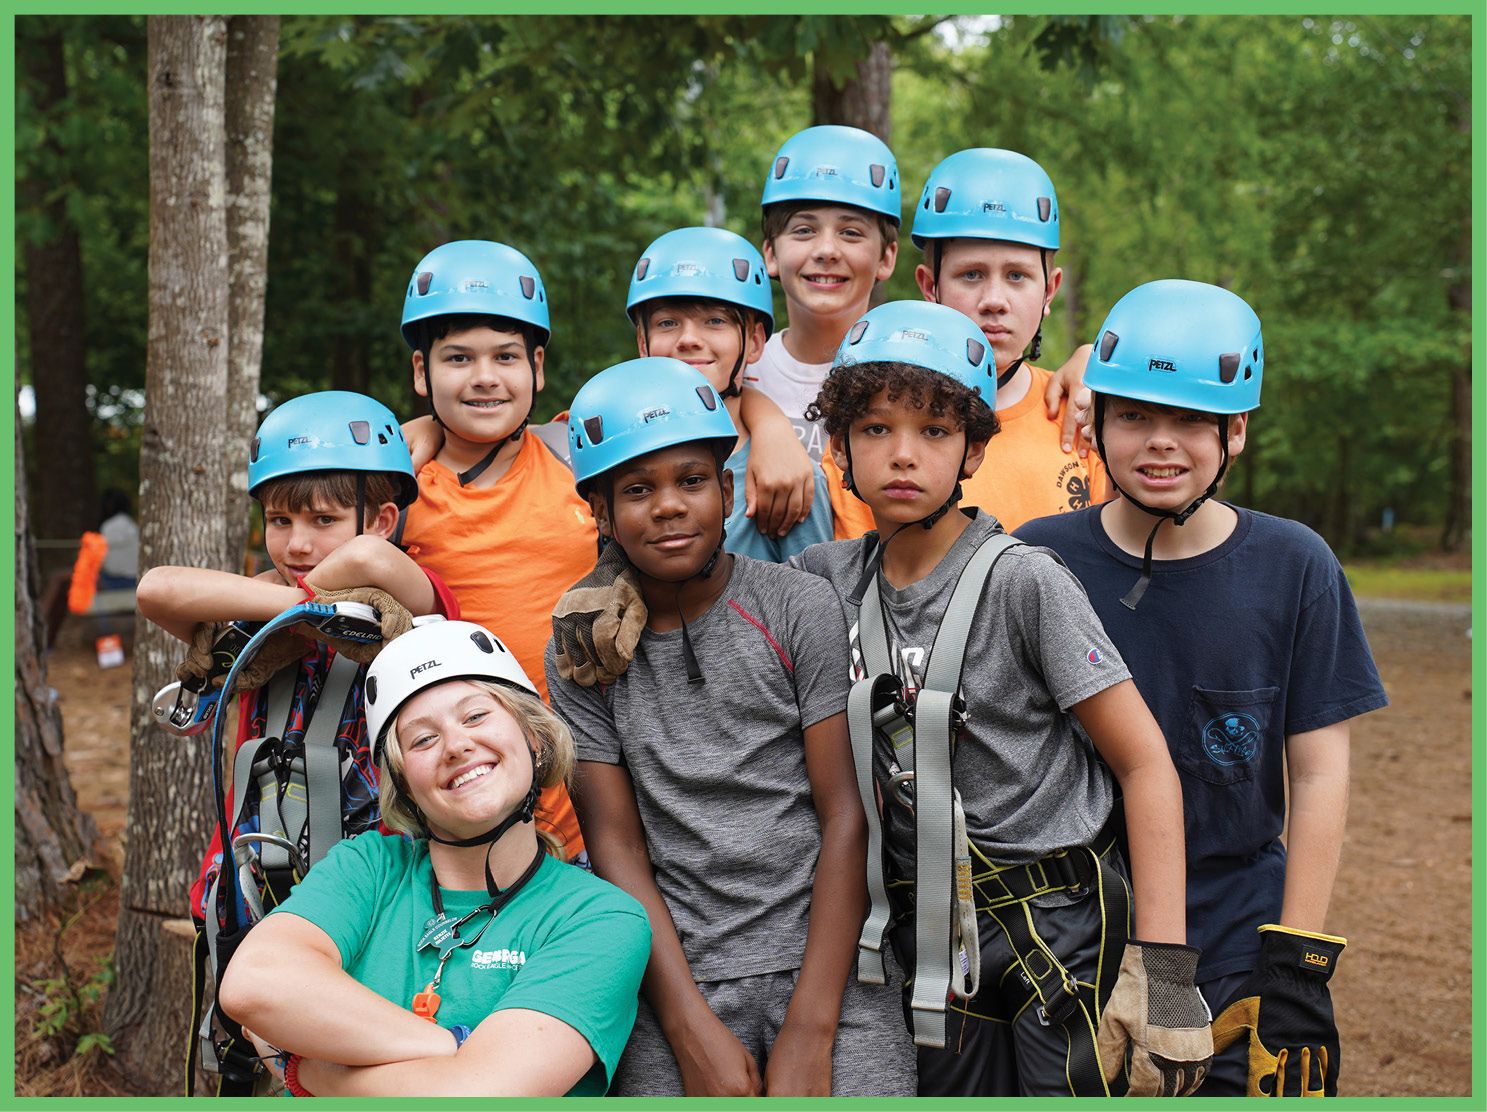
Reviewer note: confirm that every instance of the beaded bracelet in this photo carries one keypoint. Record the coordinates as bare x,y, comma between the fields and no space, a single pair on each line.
291,1078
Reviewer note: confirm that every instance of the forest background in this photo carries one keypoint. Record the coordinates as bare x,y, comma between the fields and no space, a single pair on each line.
1319,166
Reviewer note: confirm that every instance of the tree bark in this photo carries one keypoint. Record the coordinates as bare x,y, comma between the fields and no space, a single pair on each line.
183,488
1459,297
66,488
252,83
52,836
864,101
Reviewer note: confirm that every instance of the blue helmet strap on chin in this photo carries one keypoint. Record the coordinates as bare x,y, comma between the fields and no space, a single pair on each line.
1037,347
1177,517
926,522
734,388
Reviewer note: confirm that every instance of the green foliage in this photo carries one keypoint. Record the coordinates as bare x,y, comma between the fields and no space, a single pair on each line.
1318,166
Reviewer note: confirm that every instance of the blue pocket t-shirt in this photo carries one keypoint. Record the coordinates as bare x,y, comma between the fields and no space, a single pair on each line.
568,944
1233,650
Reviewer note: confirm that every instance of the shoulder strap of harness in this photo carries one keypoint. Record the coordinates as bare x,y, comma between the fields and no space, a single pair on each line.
941,871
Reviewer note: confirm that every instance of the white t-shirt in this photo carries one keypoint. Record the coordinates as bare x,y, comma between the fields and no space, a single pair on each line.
791,385
122,535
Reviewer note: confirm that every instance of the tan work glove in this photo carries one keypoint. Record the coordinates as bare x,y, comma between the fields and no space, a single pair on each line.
392,614
279,650
1156,1012
598,622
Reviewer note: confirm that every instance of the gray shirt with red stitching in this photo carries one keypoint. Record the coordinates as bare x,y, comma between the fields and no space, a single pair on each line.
719,767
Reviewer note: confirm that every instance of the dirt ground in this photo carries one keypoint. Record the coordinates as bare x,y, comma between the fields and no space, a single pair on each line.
1403,898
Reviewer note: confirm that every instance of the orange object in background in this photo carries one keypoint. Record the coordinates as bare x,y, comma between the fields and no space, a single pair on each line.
85,571
110,649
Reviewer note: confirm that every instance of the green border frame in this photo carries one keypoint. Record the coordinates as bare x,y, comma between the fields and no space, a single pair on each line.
1473,8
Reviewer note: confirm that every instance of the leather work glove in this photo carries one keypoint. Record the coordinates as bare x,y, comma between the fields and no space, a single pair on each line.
1156,1012
278,651
598,622
392,615
1285,1009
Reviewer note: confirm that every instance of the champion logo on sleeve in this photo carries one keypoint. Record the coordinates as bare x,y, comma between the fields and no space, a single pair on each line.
1093,656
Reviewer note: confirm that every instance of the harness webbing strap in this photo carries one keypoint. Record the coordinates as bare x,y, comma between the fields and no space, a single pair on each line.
860,700
323,759
934,888
284,808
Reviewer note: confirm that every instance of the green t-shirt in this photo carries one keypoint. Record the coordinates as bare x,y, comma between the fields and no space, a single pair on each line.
568,944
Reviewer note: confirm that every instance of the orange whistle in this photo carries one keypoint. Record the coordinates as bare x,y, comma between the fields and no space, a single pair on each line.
426,1003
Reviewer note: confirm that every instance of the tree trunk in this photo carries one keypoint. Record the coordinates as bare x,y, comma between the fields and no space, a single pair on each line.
864,100
183,489
66,489
252,82
1459,297
350,356
52,837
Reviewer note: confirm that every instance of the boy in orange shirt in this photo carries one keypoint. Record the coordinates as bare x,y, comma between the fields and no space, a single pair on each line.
497,516
988,223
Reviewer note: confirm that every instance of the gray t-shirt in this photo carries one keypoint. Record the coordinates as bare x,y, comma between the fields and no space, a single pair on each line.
1028,777
719,767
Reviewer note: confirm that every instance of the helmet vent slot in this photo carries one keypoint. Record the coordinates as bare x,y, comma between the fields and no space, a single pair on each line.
741,269
594,426
942,198
528,286
855,336
877,171
709,398
482,642
640,271
361,432
779,166
1107,345
975,351
253,450
424,281
1228,366
1045,208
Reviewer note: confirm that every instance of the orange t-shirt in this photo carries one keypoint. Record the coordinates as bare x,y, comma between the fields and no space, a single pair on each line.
1026,473
508,552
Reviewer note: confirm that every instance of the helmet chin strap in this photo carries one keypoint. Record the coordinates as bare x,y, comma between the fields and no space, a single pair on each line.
1177,517
522,813
926,522
689,654
468,477
1037,345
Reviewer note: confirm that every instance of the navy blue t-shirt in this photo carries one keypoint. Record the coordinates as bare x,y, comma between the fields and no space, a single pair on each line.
1232,650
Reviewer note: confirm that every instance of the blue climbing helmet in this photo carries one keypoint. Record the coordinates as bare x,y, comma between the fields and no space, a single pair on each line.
835,165
923,334
1184,344
476,276
1180,343
641,406
988,193
712,263
333,430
